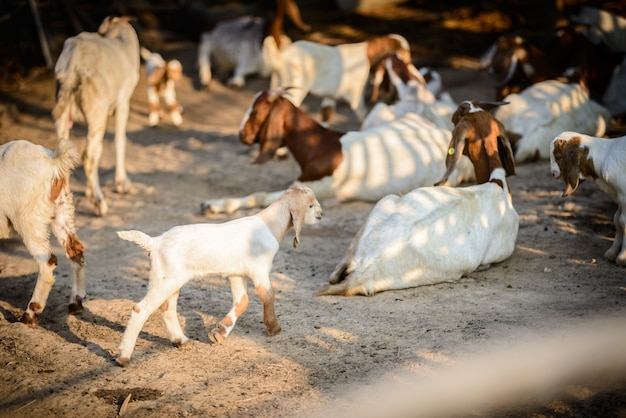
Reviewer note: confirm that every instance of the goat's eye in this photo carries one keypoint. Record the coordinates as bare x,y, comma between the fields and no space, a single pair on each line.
311,206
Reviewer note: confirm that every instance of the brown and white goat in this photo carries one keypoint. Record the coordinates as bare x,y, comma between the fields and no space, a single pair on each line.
575,156
239,249
333,73
394,157
161,79
35,199
437,234
96,75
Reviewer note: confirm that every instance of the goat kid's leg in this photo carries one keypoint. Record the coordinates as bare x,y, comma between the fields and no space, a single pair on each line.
265,291
91,161
154,106
45,281
329,107
172,103
172,324
122,182
617,253
63,229
139,314
240,304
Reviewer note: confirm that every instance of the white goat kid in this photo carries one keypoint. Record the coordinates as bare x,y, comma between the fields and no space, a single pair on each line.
238,249
35,199
161,79
438,234
96,75
575,156
333,73
545,109
395,157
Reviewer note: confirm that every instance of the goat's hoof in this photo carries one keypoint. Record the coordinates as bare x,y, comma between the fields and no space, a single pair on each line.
274,330
217,336
75,308
28,319
122,361
123,186
183,343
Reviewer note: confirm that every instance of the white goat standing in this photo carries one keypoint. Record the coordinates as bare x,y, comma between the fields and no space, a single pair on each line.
575,156
395,157
333,73
35,199
96,75
161,79
238,249
438,234
543,110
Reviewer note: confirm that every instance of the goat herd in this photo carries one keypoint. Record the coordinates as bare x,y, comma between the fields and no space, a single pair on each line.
410,157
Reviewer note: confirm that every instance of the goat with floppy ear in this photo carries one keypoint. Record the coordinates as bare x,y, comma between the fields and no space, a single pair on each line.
238,249
575,157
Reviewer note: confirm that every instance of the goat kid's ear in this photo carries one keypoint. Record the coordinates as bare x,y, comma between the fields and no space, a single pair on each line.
489,106
455,152
505,150
297,212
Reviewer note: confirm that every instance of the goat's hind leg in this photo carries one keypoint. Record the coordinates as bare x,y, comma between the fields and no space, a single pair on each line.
240,304
122,182
172,324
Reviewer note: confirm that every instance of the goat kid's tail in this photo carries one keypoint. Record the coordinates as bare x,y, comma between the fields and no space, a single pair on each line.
65,157
66,82
143,240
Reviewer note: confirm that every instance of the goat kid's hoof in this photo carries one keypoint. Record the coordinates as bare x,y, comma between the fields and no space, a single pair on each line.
217,336
75,308
122,361
28,319
274,330
183,343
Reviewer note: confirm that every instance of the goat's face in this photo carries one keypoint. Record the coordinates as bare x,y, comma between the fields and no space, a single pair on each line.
569,161
255,117
505,56
304,209
111,27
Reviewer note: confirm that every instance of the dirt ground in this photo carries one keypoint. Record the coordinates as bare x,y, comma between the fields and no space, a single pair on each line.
330,347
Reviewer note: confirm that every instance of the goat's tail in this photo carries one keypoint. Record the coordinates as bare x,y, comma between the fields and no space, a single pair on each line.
66,83
143,240
65,157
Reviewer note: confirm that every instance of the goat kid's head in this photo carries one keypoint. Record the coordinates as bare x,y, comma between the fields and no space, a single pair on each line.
569,161
480,137
112,26
304,209
264,123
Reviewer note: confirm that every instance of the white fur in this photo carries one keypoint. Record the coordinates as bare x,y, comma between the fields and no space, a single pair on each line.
97,74
234,45
393,157
543,110
608,157
35,199
238,249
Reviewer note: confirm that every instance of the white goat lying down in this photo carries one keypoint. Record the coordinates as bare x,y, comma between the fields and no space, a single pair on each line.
238,249
96,75
35,199
545,109
414,96
331,72
438,234
575,156
396,157
161,80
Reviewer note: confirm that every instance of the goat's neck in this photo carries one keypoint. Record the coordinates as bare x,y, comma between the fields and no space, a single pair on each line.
303,134
277,218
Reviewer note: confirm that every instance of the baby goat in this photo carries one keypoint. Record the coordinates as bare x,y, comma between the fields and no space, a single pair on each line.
35,199
96,75
161,80
575,156
333,73
394,157
438,234
240,248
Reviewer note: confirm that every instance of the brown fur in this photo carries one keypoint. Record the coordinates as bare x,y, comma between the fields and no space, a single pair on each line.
381,46
573,160
56,188
274,121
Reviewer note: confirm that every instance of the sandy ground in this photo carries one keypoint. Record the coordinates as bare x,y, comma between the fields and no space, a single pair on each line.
330,347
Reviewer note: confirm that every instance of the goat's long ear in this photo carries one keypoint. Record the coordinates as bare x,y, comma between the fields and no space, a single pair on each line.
489,106
272,132
297,209
455,152
506,151
570,169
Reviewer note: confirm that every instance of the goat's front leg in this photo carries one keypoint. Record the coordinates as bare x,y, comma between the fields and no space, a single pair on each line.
154,105
266,294
122,182
156,296
240,304
172,324
47,262
617,253
172,103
